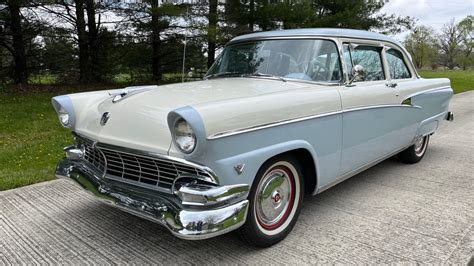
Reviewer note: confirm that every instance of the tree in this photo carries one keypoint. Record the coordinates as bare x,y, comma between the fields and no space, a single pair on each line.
421,45
12,39
153,21
57,55
466,29
211,32
77,19
287,14
449,40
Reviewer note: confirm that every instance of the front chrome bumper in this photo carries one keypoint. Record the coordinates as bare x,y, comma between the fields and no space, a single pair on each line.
183,220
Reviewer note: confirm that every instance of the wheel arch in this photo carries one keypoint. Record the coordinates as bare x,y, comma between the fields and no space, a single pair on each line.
304,153
254,159
308,166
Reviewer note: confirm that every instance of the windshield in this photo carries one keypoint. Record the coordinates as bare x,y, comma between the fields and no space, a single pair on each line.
312,60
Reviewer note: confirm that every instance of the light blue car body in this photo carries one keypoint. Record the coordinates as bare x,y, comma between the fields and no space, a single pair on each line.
341,144
126,152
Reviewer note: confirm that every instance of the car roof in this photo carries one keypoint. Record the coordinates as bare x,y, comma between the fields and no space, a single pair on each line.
326,32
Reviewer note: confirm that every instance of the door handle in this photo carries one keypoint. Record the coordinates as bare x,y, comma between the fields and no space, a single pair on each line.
391,85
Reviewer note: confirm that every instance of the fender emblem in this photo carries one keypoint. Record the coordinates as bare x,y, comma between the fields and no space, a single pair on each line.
239,168
104,118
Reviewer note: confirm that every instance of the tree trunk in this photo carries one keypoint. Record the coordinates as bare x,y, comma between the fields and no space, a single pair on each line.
252,15
93,42
156,42
84,76
211,32
20,71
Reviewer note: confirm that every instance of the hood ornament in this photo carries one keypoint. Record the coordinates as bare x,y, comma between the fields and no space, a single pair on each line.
117,96
104,118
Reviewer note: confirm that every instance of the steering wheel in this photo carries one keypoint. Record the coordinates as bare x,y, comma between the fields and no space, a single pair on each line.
318,71
313,69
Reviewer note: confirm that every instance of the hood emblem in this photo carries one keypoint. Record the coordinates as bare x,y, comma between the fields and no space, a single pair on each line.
104,118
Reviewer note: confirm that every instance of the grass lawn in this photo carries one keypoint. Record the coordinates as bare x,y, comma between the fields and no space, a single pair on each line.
461,80
31,138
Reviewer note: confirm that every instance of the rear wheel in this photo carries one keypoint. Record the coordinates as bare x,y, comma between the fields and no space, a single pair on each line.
415,153
275,199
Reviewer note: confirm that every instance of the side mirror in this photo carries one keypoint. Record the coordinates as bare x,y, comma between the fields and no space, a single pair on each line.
358,74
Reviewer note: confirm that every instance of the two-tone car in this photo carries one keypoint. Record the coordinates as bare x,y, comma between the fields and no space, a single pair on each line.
280,115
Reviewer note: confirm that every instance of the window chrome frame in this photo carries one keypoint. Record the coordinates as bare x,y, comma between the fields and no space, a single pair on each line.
354,44
406,61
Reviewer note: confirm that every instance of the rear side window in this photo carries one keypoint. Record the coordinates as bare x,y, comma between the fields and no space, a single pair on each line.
397,67
369,57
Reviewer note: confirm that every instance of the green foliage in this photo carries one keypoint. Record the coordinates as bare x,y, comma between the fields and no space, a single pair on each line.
461,80
356,14
421,43
466,30
31,139
146,39
452,47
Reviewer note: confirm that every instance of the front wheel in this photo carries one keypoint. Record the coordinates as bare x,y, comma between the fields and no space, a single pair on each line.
275,200
415,152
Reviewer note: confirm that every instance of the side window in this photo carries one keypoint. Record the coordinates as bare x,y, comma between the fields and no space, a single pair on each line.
370,58
398,68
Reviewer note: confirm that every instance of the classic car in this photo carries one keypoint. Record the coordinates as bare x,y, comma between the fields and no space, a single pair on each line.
280,115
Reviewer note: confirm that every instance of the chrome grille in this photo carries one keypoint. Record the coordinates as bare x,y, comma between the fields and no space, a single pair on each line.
92,155
135,168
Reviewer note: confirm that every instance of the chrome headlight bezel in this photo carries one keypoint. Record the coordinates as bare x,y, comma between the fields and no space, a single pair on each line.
65,110
183,136
63,117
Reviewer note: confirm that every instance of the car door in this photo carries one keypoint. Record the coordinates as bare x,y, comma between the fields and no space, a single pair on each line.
370,112
406,82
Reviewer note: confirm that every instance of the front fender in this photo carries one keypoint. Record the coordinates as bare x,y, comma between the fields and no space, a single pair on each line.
254,159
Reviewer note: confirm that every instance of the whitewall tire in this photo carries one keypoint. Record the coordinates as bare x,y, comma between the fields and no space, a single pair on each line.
275,200
415,153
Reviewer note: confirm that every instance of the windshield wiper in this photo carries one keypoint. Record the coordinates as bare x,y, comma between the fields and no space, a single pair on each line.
258,74
239,74
223,74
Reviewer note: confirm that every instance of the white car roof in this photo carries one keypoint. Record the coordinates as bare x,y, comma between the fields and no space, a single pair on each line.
327,32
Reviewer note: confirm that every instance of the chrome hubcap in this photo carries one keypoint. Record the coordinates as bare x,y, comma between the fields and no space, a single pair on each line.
419,145
274,196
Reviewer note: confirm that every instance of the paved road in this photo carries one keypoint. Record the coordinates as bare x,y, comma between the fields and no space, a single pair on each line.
421,213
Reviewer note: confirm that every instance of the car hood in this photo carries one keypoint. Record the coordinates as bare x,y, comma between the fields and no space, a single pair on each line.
139,120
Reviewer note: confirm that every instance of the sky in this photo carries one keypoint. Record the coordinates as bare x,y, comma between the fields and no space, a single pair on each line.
433,13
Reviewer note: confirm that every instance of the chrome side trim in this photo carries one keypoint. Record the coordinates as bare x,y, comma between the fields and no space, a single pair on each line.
263,126
304,118
425,91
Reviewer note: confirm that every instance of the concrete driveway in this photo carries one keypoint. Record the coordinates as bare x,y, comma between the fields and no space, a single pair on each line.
391,213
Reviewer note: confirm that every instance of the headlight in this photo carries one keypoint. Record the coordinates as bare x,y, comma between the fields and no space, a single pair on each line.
64,108
63,117
184,136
